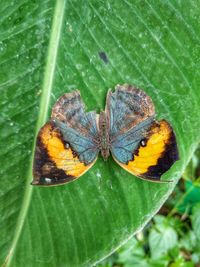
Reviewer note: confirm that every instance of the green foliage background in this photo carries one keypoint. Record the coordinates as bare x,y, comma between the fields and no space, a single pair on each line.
171,238
48,48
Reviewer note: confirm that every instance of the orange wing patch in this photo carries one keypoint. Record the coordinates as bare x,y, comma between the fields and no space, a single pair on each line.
55,162
157,155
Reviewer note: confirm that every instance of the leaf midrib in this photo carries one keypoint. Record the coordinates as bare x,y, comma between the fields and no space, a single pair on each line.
42,116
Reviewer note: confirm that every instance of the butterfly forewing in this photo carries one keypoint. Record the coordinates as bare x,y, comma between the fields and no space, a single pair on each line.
153,155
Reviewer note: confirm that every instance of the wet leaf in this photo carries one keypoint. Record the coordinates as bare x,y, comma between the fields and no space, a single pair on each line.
48,48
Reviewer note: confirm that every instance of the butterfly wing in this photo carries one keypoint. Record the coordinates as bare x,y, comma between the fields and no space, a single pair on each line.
153,153
126,107
66,145
70,110
139,144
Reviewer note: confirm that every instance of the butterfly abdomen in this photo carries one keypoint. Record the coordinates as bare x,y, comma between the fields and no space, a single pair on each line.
104,141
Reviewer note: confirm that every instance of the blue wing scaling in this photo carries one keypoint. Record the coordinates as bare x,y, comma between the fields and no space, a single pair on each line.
126,107
138,143
78,127
125,145
130,113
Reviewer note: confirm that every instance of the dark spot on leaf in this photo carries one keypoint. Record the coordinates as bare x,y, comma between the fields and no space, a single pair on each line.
103,56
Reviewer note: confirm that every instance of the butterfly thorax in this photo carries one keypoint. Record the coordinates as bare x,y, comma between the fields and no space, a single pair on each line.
104,142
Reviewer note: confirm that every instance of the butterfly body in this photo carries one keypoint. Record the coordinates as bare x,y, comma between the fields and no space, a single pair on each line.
68,145
104,139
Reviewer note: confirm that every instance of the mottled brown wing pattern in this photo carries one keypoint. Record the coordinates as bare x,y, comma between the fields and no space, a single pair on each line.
126,107
70,110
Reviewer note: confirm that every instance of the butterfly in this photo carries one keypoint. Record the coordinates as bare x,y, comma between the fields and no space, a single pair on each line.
69,143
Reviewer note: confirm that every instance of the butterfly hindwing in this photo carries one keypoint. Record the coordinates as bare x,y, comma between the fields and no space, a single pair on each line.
126,107
70,110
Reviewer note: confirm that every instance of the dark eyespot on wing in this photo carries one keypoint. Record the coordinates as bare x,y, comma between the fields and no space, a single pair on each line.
157,156
45,171
143,142
53,162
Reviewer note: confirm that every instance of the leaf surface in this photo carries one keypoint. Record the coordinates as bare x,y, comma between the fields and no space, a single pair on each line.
48,48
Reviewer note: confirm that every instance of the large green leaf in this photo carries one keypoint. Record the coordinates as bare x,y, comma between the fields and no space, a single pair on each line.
48,48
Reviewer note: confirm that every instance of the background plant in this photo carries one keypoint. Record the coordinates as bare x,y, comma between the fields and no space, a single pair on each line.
51,47
172,237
